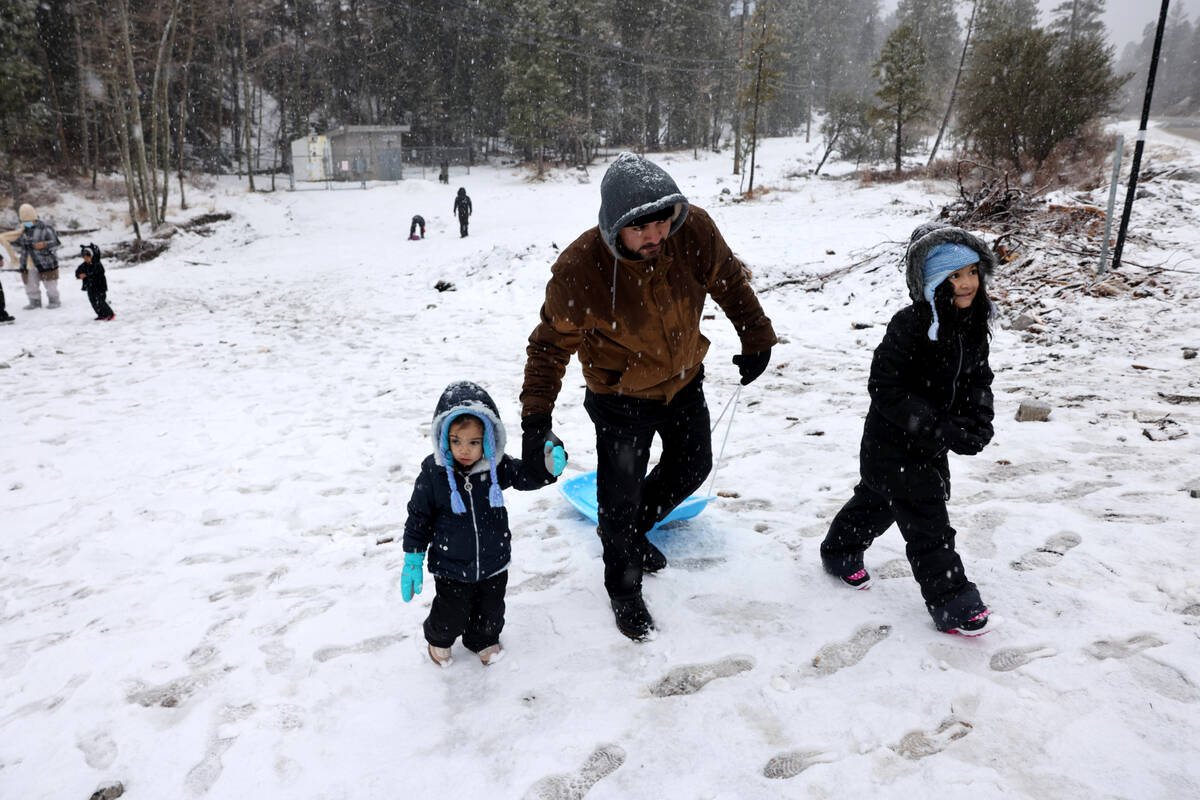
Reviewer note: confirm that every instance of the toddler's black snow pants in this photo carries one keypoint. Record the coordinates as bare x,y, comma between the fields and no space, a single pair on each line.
474,611
929,544
99,303
462,225
629,501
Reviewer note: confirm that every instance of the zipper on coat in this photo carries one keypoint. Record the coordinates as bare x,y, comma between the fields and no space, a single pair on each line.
957,371
474,524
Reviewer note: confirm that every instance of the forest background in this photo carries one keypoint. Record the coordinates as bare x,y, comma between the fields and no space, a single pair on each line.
145,88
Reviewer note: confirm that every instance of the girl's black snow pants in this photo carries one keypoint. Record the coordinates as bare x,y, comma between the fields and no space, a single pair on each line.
929,544
99,303
629,501
474,611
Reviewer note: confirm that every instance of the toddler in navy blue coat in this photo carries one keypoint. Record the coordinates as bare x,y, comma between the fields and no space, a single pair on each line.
457,512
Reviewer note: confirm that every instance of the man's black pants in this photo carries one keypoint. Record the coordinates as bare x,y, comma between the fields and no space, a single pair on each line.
474,611
629,501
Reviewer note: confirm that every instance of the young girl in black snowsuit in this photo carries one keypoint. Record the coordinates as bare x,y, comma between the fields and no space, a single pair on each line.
930,388
457,512
91,271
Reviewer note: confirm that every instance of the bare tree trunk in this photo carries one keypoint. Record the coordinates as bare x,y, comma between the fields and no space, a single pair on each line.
159,113
754,119
136,132
81,77
954,91
249,109
121,134
58,115
737,100
184,90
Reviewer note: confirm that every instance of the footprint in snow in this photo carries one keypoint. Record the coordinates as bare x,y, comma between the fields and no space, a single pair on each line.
603,761
537,583
691,678
791,764
1107,648
372,645
838,655
1010,658
895,568
1048,554
922,744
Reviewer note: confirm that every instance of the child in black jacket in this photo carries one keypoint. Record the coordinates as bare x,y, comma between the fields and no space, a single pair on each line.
457,507
91,272
930,390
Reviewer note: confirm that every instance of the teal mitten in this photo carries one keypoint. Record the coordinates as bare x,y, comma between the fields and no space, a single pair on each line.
556,458
413,575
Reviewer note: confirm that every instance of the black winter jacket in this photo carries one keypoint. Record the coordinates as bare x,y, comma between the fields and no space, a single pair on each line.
916,385
476,544
92,275
462,204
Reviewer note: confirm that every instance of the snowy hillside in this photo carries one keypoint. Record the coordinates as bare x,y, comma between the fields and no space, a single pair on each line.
198,597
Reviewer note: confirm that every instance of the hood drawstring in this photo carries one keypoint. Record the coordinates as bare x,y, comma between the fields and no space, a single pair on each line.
616,263
495,498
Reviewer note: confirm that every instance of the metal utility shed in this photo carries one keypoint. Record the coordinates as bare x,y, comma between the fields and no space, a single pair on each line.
364,153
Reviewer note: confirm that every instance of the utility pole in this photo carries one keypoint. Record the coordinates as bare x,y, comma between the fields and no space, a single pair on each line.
1141,136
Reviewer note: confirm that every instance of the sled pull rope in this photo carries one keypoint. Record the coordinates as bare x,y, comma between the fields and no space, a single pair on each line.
731,407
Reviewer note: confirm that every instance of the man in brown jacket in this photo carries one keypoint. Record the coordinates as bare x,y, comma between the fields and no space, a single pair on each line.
626,298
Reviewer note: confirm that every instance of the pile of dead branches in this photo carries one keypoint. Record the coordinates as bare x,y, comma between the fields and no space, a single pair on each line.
994,203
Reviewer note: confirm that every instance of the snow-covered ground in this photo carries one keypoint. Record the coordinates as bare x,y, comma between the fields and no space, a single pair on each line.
197,597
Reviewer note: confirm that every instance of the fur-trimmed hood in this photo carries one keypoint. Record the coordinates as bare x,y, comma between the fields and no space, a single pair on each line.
633,187
930,235
465,397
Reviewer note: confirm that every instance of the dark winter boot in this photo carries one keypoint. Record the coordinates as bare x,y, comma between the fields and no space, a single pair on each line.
6,317
652,558
633,619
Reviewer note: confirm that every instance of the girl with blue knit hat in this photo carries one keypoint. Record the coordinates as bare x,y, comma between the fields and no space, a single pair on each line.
930,388
457,507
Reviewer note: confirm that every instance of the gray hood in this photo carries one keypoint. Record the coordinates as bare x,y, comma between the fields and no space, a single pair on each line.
930,235
632,187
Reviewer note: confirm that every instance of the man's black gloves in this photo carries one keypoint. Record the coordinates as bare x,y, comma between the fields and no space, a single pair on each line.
536,432
752,365
964,435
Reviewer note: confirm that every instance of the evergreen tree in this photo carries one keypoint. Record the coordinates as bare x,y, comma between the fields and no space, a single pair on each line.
903,90
1024,94
1002,16
535,93
1075,19
22,113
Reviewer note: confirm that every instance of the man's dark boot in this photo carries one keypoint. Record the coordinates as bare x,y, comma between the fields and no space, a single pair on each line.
633,619
652,558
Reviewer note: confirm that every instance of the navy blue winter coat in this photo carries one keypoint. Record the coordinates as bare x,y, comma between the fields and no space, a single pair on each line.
475,544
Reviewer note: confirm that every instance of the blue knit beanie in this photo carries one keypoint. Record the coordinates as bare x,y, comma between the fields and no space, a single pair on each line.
495,498
941,262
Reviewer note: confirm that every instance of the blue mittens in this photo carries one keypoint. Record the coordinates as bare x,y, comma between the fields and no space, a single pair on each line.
413,575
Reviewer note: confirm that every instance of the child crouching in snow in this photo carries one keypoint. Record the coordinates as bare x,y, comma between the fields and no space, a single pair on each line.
930,388
457,506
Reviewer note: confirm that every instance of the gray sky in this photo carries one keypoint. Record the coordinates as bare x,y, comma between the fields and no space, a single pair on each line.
1125,18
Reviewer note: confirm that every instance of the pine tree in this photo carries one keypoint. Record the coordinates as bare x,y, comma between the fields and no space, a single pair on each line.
903,90
1024,94
22,114
535,92
1075,19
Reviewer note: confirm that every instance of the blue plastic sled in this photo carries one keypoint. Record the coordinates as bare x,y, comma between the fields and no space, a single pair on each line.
580,492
